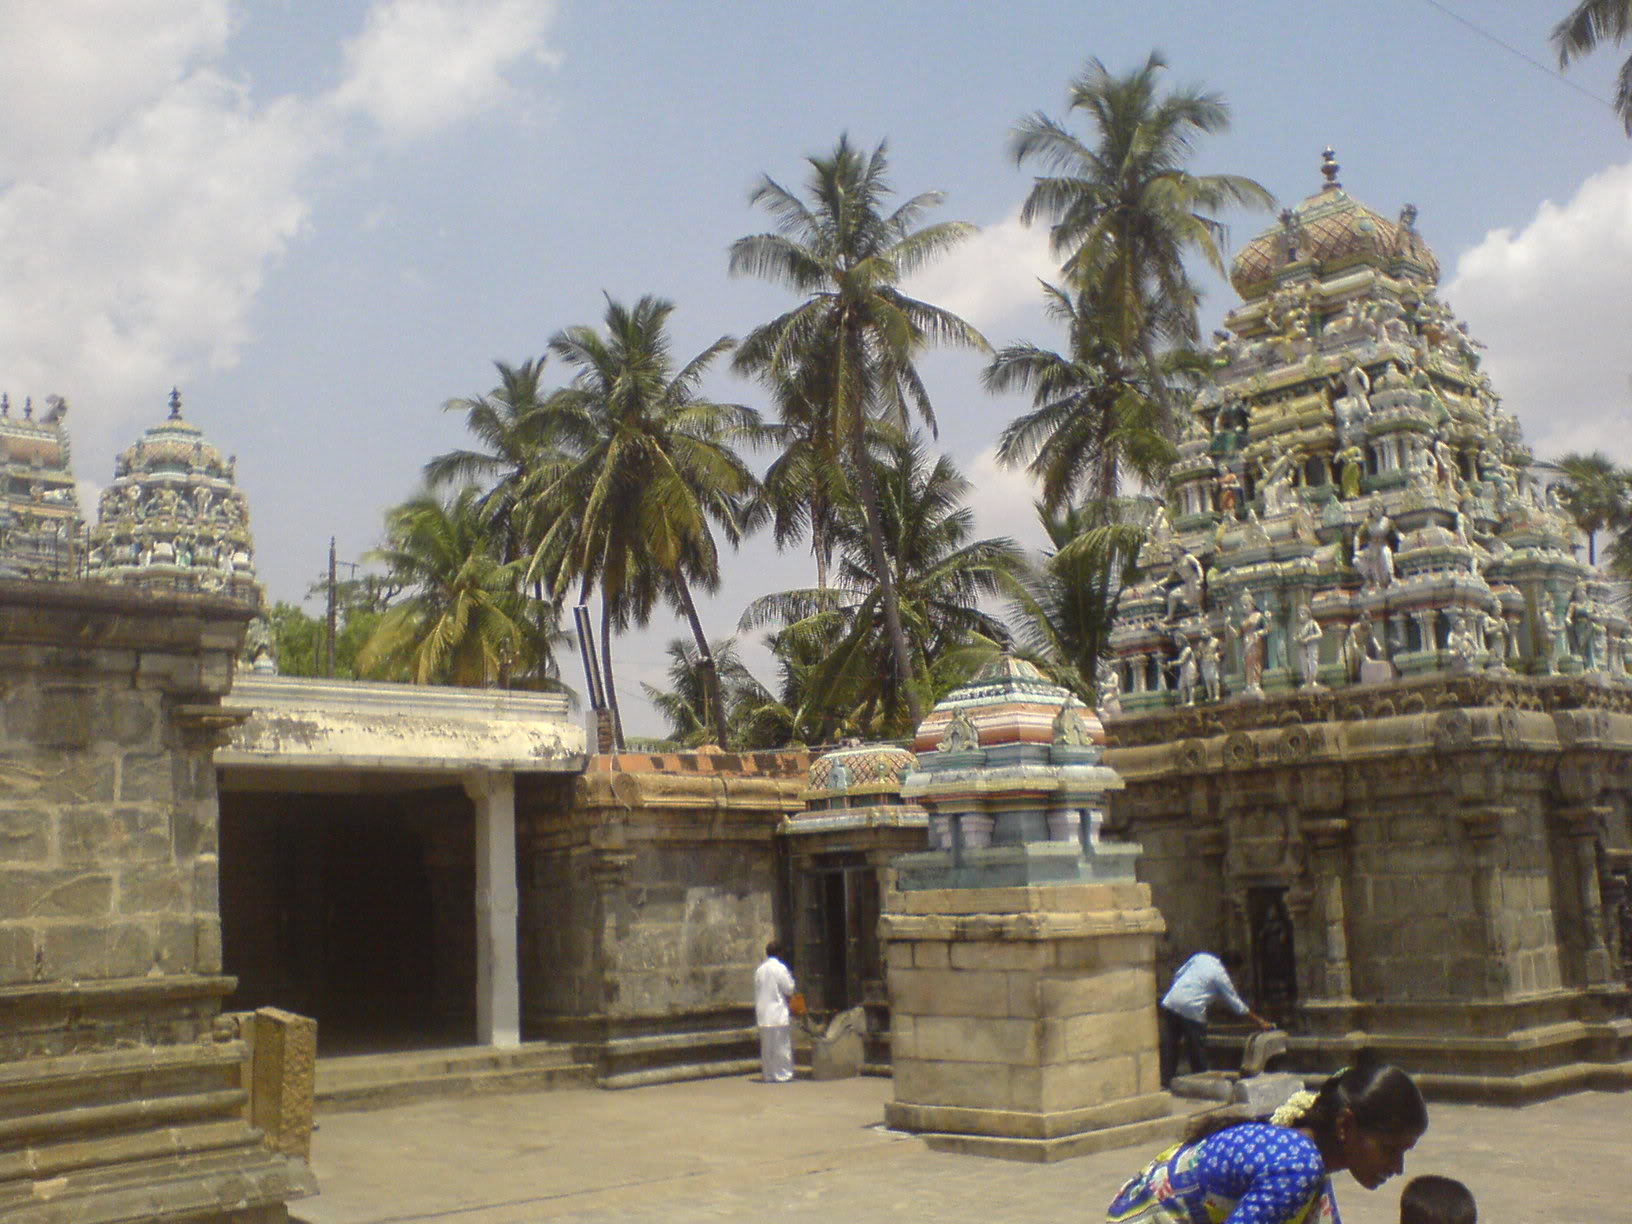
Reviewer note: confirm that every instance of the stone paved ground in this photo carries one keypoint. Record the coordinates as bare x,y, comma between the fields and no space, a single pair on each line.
809,1153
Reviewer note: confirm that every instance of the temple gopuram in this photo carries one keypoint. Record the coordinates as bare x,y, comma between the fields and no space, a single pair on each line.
174,519
1371,706
40,528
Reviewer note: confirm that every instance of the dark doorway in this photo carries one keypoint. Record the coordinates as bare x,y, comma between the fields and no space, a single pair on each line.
357,910
837,931
1274,960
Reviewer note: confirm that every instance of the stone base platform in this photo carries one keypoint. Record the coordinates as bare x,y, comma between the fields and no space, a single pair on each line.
1024,1019
1150,1133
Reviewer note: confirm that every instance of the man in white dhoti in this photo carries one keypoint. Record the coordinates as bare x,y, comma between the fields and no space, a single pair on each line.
772,986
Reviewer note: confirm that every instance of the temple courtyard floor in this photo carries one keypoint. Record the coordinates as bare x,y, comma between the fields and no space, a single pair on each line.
740,1150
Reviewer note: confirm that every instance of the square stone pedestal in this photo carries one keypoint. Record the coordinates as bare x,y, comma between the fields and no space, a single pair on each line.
1024,1019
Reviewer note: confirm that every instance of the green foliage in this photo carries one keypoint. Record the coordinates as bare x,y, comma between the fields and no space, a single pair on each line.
1593,22
686,702
463,618
1597,495
1065,605
640,474
850,347
297,640
832,642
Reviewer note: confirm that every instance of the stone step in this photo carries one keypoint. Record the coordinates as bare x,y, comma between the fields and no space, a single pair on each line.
660,1043
676,1072
371,1081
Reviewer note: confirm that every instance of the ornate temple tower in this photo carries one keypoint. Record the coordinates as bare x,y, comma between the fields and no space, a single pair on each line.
40,527
1351,503
1370,705
174,519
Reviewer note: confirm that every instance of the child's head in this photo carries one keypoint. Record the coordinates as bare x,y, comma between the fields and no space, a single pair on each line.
1437,1200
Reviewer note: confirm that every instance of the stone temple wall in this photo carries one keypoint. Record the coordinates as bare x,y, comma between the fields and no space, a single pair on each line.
647,897
1450,856
124,1093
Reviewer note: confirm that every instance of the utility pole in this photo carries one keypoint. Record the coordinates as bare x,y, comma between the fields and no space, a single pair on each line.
329,671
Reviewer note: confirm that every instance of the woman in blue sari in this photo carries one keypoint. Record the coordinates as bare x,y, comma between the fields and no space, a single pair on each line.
1364,1119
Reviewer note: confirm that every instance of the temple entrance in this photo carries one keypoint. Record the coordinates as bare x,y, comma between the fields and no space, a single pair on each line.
355,909
836,931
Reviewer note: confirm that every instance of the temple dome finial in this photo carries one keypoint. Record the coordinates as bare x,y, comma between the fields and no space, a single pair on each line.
175,404
1329,169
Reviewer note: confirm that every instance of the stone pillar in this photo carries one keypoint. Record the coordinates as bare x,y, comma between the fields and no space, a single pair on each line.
498,989
1024,1019
1582,825
1482,830
1327,839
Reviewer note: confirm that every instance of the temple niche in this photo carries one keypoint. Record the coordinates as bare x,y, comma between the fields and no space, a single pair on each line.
41,535
1370,703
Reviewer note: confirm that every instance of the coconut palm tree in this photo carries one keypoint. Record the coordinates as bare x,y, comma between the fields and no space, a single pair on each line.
464,619
846,251
1063,608
1596,493
1593,22
686,702
940,574
1123,210
1096,417
510,424
645,473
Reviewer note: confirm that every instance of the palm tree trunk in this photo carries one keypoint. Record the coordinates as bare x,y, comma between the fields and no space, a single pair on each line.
606,673
886,578
705,659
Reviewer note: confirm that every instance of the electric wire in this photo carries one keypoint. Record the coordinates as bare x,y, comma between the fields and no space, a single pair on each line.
1511,49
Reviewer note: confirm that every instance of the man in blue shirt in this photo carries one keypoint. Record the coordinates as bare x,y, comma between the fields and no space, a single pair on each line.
1200,981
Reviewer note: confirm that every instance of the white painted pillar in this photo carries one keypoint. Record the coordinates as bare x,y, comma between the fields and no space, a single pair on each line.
498,978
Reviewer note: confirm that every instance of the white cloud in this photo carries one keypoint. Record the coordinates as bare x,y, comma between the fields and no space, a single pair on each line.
1002,498
1551,302
75,69
422,65
145,195
991,280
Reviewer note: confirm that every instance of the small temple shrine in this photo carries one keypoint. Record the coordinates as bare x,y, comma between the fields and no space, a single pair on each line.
1019,947
837,856
173,518
41,535
1370,703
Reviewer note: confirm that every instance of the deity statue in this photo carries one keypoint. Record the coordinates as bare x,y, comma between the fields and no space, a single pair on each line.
1460,642
1209,657
1306,635
1359,646
1496,641
1548,624
960,735
1108,687
1351,461
1253,630
1578,620
1276,484
1374,541
1184,667
1229,491
1183,582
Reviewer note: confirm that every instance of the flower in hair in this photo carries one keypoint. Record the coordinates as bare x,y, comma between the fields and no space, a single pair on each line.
1293,1111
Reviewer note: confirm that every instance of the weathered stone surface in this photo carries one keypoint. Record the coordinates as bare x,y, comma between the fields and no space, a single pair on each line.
1041,1025
123,1105
1434,886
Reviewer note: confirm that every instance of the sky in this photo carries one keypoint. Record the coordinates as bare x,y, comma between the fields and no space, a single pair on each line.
323,221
